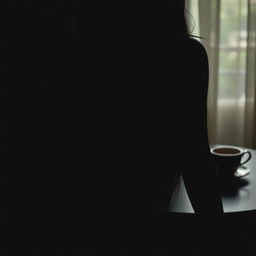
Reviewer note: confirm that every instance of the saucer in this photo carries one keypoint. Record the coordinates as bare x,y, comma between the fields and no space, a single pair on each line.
241,172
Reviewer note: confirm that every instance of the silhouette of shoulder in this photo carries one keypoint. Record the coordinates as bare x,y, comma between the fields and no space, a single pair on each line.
194,63
196,50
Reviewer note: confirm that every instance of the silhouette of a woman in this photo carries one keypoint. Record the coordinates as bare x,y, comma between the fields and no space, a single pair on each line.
189,154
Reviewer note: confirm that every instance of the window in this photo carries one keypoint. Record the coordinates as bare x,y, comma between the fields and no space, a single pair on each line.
233,45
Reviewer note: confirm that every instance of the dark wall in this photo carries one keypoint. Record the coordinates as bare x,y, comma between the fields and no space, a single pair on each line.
4,123
4,119
81,146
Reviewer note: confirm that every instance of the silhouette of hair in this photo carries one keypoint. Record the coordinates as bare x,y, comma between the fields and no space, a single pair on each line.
178,21
177,18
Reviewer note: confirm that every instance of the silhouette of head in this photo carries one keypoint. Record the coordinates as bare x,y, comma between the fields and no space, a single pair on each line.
177,18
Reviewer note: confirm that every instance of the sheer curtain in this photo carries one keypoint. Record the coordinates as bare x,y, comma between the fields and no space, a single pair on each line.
229,31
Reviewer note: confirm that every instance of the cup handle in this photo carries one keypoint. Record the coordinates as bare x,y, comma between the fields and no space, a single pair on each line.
248,159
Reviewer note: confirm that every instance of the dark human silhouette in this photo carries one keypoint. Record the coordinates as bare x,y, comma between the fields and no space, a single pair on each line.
182,120
190,124
118,112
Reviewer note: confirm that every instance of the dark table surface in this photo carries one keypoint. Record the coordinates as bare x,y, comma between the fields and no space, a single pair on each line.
238,196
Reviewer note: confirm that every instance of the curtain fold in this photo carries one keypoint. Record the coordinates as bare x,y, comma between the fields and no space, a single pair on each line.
209,22
228,28
250,113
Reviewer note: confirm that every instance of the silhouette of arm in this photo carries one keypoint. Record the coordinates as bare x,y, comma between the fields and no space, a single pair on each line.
198,171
